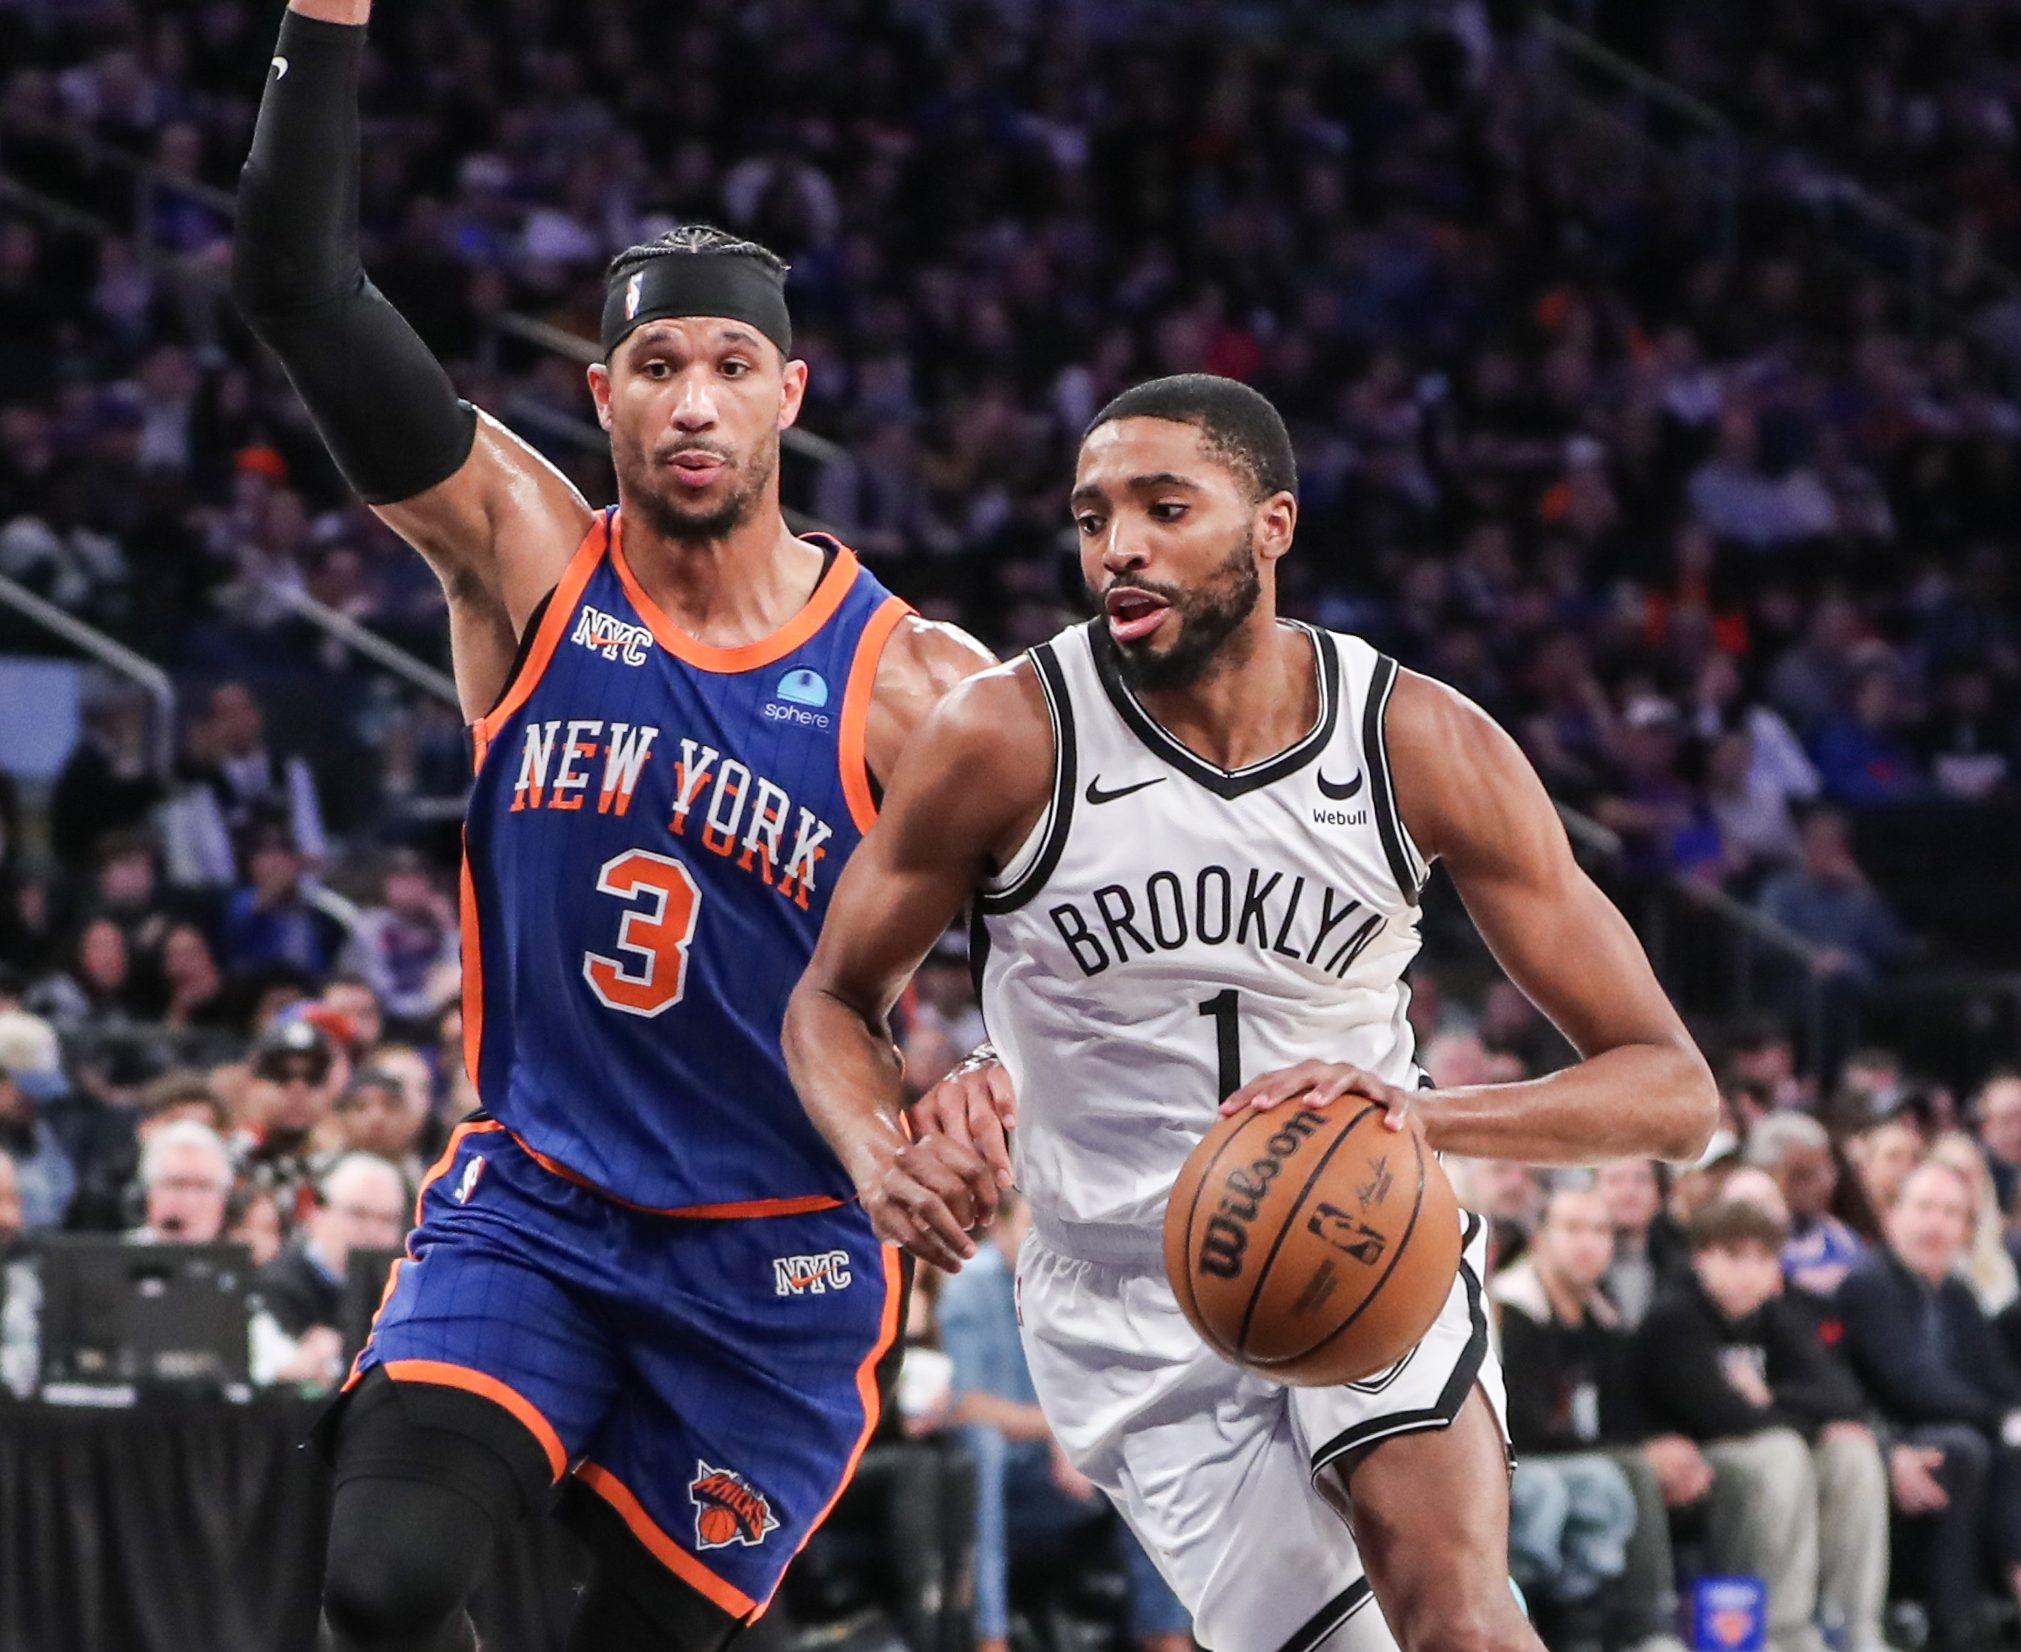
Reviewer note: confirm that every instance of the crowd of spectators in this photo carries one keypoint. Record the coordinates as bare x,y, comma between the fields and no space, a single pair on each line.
1725,540
1799,1359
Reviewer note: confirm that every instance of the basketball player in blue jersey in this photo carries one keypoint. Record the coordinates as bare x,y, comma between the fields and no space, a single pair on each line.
639,1275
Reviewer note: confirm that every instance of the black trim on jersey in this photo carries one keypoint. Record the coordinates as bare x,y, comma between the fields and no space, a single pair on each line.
1226,783
525,648
978,951
1313,1632
1446,1407
1060,812
1375,743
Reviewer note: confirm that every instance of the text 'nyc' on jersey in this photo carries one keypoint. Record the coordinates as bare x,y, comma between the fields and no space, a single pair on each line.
654,833
1171,930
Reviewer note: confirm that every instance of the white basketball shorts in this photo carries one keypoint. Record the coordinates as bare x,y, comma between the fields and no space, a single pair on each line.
1212,1466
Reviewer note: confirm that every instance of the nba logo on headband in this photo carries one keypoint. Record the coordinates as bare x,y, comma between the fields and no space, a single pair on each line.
632,286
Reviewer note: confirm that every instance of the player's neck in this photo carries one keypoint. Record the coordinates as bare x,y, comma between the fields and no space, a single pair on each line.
1260,697
729,591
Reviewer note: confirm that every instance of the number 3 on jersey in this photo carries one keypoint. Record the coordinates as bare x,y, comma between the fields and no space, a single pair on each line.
656,933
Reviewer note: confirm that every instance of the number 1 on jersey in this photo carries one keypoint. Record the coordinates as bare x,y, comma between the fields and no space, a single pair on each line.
1225,1008
657,933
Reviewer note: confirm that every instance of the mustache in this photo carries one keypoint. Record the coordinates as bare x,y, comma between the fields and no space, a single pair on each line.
1172,595
666,451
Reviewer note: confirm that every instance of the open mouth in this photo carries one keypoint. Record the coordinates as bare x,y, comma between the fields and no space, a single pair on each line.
1133,614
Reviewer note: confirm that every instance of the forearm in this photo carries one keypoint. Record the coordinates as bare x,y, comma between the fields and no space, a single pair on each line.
849,1077
381,401
1636,1101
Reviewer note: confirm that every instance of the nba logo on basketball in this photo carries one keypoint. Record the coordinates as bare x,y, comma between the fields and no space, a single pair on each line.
728,1509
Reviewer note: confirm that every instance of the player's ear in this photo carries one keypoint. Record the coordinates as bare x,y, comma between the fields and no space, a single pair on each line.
600,393
793,388
1275,522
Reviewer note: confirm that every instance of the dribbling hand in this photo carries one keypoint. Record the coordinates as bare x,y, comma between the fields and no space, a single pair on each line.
1315,1083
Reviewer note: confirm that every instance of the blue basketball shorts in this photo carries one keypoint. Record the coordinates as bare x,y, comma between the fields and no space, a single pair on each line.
713,1381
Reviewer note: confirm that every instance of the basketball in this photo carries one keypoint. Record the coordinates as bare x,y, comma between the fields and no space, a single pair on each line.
715,1527
1313,1245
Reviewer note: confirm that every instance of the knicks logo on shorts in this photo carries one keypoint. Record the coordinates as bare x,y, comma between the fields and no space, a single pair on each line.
811,1275
729,1509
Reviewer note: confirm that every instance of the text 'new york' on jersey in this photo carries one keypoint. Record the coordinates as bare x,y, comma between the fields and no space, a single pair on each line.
1171,929
654,832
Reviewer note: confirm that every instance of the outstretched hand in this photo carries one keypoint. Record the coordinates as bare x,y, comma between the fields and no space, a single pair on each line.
1315,1083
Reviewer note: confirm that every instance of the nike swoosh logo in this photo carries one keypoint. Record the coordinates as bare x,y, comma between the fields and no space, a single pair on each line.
1340,791
1095,794
280,68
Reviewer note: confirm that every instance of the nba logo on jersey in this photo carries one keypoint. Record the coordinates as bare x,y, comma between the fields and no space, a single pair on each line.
728,1509
468,1185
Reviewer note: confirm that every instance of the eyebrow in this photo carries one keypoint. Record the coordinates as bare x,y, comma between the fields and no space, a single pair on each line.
1148,482
663,330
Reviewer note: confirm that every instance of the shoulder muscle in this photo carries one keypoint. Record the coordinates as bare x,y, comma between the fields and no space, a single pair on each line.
923,660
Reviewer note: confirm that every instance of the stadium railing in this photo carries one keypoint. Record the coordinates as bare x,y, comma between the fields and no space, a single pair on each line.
114,655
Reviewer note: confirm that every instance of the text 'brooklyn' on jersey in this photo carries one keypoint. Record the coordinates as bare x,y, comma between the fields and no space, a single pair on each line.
1171,930
654,833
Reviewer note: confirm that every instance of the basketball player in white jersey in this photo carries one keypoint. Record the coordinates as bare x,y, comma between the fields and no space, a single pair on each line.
1197,835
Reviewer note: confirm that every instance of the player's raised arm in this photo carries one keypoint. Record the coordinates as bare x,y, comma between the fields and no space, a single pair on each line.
495,520
971,784
1470,798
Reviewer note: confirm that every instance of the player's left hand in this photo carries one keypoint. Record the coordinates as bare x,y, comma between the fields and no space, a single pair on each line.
1315,1083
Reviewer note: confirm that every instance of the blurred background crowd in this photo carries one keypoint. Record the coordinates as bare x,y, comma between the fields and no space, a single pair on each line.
1675,421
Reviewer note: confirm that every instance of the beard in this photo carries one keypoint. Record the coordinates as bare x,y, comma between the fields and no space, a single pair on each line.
1208,615
645,491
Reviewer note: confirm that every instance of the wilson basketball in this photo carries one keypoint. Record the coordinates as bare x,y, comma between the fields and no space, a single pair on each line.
1311,1244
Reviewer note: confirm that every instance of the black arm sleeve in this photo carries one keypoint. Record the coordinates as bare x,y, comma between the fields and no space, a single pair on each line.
382,402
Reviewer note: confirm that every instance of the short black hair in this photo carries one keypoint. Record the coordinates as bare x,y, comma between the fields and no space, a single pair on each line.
1239,424
690,239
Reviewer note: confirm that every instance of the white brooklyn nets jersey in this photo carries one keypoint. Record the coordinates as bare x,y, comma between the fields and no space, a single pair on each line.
1171,930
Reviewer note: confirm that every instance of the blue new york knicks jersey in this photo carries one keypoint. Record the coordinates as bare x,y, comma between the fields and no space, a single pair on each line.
654,833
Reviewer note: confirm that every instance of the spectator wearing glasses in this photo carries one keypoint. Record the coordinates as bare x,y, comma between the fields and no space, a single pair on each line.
186,1179
360,1204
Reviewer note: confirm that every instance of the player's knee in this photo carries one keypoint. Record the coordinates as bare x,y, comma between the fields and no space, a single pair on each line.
399,1571
390,1598
1468,1621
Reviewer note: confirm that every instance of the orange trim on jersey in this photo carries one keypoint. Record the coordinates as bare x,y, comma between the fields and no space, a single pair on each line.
866,1386
662,1547
554,623
818,610
486,1386
800,1205
852,746
473,968
436,1171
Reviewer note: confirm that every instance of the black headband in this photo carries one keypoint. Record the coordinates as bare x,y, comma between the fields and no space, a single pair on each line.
670,285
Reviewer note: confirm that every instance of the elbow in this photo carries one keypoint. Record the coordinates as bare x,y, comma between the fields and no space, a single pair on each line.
1693,1112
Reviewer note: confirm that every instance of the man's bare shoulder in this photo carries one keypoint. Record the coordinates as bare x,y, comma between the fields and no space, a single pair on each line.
921,662
1461,780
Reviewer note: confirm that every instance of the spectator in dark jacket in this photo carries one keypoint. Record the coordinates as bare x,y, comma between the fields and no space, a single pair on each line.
361,1203
1572,1512
1931,1358
1721,1358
